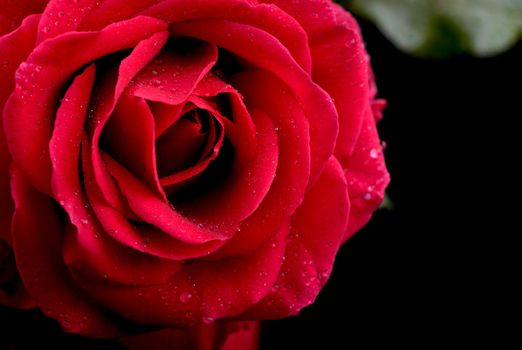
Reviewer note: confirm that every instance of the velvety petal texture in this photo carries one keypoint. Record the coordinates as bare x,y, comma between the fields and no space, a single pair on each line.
192,164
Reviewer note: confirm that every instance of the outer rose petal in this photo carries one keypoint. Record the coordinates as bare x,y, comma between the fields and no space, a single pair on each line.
222,336
317,230
40,79
63,16
12,290
88,245
201,291
13,12
265,92
366,175
37,240
15,48
340,64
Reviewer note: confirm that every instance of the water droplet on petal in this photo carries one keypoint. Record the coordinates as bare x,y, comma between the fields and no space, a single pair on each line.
374,153
367,196
208,320
84,221
185,297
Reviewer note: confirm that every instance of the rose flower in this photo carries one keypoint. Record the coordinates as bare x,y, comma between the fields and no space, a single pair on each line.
173,163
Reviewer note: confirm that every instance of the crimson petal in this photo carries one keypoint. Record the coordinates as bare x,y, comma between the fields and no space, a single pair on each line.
129,134
203,290
172,76
38,238
317,230
14,12
246,41
15,47
366,175
28,117
266,93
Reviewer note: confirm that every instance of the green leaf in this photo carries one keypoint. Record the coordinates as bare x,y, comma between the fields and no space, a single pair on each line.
440,28
387,203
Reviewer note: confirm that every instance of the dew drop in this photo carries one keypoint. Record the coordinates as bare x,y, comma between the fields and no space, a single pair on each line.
84,221
367,196
208,320
374,153
154,72
185,297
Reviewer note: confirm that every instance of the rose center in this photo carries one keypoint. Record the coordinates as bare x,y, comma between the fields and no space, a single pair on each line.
188,141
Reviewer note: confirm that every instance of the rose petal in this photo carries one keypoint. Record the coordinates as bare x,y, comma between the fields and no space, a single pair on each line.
340,63
172,76
267,17
247,41
155,211
15,11
15,47
63,16
366,175
88,246
28,114
317,230
12,290
37,237
148,239
265,92
341,68
175,181
104,102
242,131
94,255
245,187
181,145
110,11
202,291
222,336
166,115
133,120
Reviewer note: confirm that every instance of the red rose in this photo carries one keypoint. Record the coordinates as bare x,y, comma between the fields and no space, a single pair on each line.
178,162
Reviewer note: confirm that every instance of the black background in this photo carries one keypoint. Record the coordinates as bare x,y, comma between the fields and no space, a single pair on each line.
416,274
